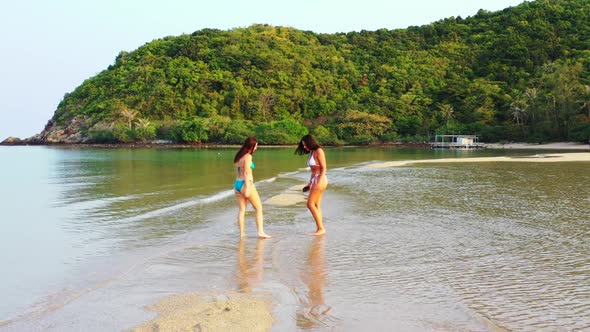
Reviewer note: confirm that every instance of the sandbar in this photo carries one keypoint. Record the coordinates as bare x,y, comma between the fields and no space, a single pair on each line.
537,158
546,146
211,312
291,196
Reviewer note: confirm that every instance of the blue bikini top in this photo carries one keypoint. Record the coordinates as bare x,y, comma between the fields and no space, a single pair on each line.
251,166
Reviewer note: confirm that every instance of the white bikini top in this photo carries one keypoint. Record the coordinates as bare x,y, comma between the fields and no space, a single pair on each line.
311,160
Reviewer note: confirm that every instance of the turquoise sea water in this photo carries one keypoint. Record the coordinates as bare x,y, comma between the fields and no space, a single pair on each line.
91,236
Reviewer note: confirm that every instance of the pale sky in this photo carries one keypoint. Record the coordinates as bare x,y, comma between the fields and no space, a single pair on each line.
49,47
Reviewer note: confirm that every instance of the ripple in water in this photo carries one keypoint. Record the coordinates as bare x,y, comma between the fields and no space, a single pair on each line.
515,258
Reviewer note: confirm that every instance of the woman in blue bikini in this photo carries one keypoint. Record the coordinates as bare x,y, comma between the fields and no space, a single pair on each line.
244,186
318,181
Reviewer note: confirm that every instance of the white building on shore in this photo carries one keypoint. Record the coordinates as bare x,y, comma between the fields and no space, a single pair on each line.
456,142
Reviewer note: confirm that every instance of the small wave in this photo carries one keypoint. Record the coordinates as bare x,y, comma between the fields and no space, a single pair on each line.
289,174
179,206
273,179
80,203
166,210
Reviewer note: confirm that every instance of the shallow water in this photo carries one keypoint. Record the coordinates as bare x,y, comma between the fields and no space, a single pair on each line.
92,236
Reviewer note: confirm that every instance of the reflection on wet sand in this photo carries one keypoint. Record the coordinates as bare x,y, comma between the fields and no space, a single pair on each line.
245,310
314,310
250,270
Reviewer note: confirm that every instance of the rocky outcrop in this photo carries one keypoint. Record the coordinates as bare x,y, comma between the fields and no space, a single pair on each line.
12,141
53,133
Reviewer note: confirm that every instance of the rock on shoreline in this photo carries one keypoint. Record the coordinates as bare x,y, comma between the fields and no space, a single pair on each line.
12,141
54,134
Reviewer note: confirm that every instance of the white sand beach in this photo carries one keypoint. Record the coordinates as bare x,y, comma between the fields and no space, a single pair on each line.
548,146
537,158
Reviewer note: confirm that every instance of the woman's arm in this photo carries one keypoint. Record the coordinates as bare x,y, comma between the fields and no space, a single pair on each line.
321,159
248,177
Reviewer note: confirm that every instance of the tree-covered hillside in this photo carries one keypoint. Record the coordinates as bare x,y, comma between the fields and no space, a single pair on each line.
520,74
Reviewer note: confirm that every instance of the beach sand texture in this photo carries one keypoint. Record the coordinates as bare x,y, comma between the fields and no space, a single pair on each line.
291,196
211,312
546,146
537,158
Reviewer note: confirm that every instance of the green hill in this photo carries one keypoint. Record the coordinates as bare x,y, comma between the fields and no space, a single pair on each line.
520,74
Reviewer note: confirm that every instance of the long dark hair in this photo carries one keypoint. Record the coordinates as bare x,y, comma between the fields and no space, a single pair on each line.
247,147
310,142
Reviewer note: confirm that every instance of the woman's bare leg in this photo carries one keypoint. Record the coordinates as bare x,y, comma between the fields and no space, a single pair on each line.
241,212
314,205
255,201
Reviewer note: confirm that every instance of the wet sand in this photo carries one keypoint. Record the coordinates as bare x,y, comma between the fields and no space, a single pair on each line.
373,271
291,196
253,311
537,158
211,312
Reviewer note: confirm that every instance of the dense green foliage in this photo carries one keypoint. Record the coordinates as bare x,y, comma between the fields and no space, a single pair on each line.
519,74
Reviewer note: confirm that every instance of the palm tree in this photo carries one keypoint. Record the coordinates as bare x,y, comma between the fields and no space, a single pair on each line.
518,114
447,111
531,93
531,96
266,101
128,114
586,99
143,123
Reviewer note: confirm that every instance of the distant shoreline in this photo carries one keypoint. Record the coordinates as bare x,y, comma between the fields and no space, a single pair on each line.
515,146
167,145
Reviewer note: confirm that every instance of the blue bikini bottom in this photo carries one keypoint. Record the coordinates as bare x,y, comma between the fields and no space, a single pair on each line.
238,184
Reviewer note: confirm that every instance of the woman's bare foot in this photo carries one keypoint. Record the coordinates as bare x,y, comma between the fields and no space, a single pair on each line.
320,232
264,236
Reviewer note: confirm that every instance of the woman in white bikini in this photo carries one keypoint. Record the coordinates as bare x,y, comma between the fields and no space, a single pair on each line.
244,186
318,181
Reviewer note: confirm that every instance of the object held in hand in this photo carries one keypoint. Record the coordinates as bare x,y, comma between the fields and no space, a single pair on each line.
306,188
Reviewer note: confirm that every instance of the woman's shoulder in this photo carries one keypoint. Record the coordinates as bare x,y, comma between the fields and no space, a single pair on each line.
245,158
